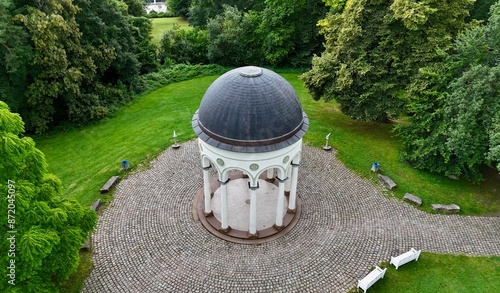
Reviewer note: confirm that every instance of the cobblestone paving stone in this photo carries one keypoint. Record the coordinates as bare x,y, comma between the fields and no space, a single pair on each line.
147,240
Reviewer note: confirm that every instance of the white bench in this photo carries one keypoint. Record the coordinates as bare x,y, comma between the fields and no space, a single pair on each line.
405,257
371,278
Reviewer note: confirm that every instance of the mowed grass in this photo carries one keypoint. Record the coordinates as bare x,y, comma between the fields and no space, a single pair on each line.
359,144
161,25
85,158
441,273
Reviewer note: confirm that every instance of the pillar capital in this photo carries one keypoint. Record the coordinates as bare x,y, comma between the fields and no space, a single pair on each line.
223,182
253,187
282,180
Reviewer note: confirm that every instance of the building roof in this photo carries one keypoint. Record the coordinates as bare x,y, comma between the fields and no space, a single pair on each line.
251,110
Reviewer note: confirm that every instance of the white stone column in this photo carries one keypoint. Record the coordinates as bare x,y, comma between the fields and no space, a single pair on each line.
287,183
281,199
270,173
206,186
253,209
293,188
223,201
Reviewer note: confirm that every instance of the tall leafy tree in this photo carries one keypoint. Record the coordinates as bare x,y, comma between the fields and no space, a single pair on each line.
135,7
201,11
232,39
59,63
480,10
48,230
71,59
374,49
289,31
456,105
179,7
15,54
184,46
274,32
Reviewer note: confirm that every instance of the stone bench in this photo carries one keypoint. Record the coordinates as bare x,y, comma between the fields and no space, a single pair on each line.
449,208
413,199
371,278
107,186
405,258
387,181
94,206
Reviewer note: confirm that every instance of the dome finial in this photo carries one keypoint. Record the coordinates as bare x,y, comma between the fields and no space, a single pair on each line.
250,71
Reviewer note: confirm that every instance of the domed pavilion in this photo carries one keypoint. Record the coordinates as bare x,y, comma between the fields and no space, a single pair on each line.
250,126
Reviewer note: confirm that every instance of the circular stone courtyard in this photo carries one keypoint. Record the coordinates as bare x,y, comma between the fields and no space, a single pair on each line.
148,241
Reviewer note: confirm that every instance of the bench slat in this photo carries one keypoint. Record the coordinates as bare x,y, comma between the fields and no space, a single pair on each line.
371,278
406,257
107,186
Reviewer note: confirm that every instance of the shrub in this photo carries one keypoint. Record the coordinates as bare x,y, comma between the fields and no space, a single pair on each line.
184,46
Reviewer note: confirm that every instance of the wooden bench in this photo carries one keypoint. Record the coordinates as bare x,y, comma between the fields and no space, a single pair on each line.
405,257
371,278
107,186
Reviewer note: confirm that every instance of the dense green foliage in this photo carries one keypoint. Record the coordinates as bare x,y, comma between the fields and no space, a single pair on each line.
179,45
231,38
374,49
481,9
201,11
71,59
179,7
260,32
176,73
43,251
456,106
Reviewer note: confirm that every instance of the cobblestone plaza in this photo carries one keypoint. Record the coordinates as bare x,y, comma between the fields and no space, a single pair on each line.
148,241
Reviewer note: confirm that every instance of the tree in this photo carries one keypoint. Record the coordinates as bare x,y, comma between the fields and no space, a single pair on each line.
135,7
373,51
15,55
179,7
202,11
289,31
480,10
49,230
184,46
59,63
71,59
280,33
232,39
456,104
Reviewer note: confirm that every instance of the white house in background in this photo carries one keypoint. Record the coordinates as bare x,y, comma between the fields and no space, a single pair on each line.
156,6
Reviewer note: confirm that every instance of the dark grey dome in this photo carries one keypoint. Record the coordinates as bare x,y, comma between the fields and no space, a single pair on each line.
250,109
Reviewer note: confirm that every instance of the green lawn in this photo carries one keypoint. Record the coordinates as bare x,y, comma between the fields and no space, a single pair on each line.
161,25
85,158
359,144
441,273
